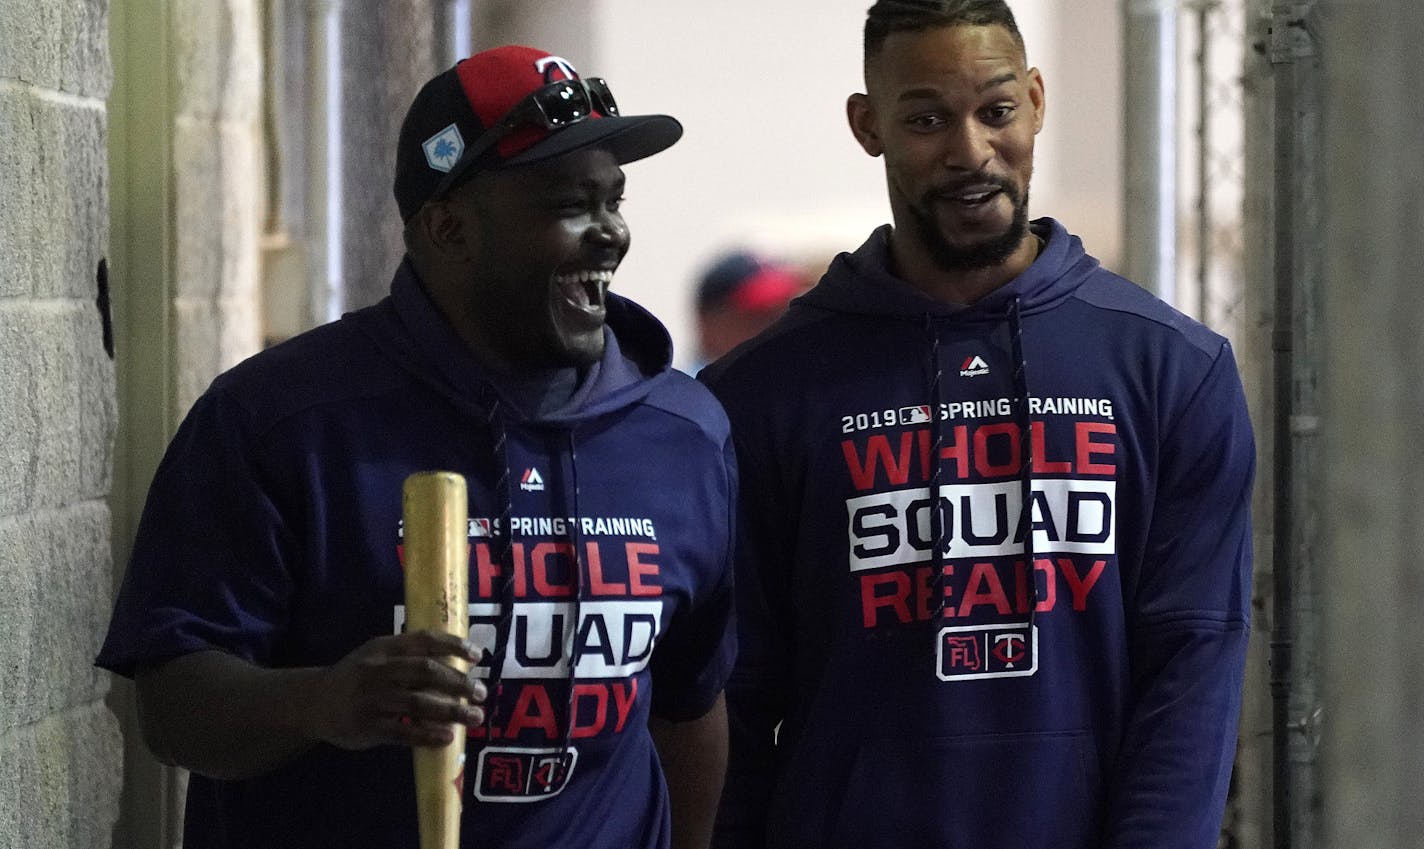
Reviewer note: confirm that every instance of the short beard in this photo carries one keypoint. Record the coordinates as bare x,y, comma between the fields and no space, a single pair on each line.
985,254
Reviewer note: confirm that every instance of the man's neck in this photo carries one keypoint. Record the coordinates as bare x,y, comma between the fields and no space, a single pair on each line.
918,268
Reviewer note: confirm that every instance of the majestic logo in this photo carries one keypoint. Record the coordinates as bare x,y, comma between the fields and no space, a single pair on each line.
987,651
915,415
531,481
444,149
973,367
523,775
546,65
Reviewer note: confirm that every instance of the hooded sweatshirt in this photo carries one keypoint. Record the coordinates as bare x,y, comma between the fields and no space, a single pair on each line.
941,676
600,569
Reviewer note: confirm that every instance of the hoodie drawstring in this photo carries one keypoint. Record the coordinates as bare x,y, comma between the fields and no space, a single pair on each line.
936,377
504,556
1025,427
574,643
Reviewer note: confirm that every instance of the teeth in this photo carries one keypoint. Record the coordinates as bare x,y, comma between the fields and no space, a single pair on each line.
584,277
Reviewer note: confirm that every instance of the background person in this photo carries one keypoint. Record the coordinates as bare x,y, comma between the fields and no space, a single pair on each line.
739,294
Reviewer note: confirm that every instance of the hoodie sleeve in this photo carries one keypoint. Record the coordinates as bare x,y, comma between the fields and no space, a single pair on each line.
691,665
1189,623
209,564
758,690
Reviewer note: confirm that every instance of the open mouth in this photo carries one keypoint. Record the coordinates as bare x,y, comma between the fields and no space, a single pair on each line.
583,290
972,196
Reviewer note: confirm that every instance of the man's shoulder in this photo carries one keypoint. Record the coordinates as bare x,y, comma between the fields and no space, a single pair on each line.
329,364
680,395
783,351
1113,293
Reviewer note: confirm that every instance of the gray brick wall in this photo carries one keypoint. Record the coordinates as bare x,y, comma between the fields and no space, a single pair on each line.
60,751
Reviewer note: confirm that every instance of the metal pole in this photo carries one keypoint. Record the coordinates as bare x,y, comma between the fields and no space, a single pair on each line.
1254,768
1204,217
1297,236
1282,344
1150,145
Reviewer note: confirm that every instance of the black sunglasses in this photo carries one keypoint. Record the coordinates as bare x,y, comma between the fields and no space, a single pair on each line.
556,105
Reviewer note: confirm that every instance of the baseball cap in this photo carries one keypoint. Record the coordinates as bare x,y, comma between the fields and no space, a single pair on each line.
508,106
746,281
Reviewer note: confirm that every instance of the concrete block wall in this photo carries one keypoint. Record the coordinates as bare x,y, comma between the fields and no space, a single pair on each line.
218,188
1370,578
60,750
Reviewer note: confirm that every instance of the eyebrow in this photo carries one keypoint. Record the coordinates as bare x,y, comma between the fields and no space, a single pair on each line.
557,182
993,82
616,185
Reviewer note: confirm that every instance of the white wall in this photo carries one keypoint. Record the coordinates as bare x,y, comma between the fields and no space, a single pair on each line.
767,159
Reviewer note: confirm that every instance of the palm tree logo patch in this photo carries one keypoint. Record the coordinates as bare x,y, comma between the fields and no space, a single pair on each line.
443,149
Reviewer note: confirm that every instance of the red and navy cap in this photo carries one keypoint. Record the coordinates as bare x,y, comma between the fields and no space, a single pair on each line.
452,111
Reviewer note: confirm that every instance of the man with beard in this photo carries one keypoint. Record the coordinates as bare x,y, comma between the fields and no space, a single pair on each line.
994,541
262,612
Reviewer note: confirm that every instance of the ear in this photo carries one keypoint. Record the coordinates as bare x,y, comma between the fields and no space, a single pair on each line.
446,227
1036,96
861,117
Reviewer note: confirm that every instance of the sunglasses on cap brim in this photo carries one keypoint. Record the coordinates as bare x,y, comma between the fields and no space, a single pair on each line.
552,107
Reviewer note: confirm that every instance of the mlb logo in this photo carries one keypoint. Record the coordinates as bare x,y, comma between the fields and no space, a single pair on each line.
444,149
972,652
523,775
915,415
480,528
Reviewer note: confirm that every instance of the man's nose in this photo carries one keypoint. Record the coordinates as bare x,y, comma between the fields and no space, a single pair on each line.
608,228
967,146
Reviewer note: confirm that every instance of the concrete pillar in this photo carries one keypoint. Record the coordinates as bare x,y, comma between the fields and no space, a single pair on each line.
217,190
60,749
1372,580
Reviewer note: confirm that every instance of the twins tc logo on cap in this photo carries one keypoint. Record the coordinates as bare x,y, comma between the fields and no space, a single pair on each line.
443,149
548,64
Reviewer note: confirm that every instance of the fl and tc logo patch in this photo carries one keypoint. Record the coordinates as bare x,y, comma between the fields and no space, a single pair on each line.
523,775
971,652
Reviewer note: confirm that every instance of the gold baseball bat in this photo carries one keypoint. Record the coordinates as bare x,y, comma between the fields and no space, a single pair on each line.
437,597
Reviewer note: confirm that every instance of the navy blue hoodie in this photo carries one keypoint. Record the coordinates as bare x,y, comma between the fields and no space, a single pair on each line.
1077,687
272,532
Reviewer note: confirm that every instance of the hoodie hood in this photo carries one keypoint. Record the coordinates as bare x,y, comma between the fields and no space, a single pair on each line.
859,283
409,329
